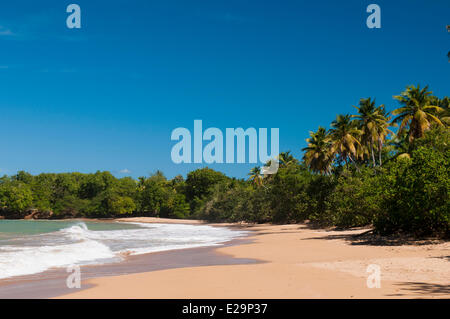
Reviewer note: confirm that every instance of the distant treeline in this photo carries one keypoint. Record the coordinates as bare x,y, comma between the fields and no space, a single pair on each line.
358,172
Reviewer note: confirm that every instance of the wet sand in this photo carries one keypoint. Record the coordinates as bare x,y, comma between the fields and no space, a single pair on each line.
274,261
52,283
293,261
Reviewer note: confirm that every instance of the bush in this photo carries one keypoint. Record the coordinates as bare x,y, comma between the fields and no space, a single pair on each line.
15,198
175,206
199,186
223,204
255,207
355,200
287,194
319,191
416,198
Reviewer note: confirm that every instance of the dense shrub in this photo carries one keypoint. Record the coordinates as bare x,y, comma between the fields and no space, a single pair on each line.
417,192
15,198
200,184
409,194
288,194
354,200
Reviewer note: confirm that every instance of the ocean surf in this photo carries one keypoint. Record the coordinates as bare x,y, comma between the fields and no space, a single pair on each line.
29,247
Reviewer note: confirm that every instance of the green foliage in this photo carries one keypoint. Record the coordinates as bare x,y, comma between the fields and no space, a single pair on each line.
152,194
354,174
110,202
156,196
354,200
416,193
15,197
176,207
288,194
319,189
223,204
199,185
398,185
236,202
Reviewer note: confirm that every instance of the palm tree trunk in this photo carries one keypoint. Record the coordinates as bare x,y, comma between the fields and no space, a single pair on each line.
353,161
373,155
380,149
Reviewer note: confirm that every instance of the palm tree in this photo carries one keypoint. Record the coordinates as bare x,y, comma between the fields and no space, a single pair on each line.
383,131
286,158
368,119
373,122
318,156
398,146
255,176
345,136
416,112
443,103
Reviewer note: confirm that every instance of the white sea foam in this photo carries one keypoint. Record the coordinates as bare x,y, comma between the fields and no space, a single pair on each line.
79,245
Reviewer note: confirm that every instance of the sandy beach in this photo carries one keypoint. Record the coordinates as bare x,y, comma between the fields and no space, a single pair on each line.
291,261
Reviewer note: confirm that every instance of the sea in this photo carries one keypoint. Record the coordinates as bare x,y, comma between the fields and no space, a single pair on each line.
33,246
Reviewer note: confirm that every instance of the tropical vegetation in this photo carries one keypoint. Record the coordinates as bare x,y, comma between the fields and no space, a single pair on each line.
390,170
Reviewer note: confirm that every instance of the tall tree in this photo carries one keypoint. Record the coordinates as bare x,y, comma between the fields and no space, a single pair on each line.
443,103
417,112
318,155
373,122
255,176
345,136
286,158
383,131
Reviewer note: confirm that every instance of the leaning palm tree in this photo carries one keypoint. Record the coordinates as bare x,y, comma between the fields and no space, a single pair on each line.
255,176
417,112
318,156
398,145
443,103
345,136
368,119
383,131
286,158
374,124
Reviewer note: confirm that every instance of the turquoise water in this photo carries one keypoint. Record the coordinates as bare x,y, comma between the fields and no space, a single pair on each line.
34,246
17,228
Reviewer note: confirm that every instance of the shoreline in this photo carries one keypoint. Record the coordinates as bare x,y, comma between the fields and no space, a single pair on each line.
293,261
52,282
272,261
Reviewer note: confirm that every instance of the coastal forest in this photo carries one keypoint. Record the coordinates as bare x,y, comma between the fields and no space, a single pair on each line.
387,169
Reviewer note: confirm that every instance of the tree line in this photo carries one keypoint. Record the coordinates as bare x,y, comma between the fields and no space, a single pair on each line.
380,168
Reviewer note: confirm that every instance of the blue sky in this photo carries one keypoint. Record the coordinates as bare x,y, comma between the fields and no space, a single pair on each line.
107,96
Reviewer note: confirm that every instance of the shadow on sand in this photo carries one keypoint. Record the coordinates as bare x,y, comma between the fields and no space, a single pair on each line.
423,288
366,236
